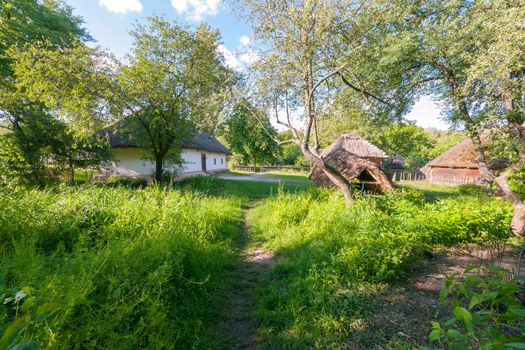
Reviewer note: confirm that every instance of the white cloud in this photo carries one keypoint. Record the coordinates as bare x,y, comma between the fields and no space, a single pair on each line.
249,57
121,6
196,9
245,41
230,58
426,113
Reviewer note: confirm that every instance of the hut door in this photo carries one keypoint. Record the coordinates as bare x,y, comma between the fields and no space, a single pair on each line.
203,162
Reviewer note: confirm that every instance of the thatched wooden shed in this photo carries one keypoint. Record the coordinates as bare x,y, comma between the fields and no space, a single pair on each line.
458,165
357,159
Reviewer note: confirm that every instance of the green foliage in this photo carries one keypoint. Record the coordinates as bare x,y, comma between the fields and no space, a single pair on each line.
408,140
30,132
174,83
246,131
115,180
291,153
517,182
23,21
444,140
488,311
114,268
331,258
472,189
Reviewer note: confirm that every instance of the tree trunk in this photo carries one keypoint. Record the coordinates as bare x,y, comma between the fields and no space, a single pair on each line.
517,225
335,176
486,175
159,168
71,170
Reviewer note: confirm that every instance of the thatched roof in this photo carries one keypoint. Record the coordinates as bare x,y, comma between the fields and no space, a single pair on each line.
462,155
356,145
206,142
353,157
199,141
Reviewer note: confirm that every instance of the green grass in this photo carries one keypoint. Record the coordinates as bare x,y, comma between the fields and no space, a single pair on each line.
84,175
250,190
431,192
334,260
115,268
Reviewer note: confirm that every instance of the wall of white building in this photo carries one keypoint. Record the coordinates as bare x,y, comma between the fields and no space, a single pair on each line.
129,163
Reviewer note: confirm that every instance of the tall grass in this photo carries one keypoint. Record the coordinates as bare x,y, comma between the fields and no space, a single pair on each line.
332,259
114,268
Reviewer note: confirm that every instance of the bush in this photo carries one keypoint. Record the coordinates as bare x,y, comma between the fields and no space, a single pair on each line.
517,182
103,267
330,253
488,311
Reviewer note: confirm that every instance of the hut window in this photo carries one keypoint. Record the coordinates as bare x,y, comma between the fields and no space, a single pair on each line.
214,161
222,160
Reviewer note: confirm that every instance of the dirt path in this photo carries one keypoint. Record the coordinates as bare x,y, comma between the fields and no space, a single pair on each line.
249,177
253,263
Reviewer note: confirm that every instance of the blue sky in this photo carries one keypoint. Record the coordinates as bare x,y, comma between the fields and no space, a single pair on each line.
109,21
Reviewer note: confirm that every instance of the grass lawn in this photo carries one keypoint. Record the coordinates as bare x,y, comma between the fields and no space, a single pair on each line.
259,190
157,268
289,183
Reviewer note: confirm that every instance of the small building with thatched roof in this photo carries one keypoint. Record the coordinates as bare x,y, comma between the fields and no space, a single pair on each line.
458,165
201,154
358,160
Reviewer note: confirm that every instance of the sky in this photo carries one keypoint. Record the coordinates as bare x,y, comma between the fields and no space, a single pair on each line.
109,21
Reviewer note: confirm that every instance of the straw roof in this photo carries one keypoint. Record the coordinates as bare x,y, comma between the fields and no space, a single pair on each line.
462,155
351,156
356,145
200,141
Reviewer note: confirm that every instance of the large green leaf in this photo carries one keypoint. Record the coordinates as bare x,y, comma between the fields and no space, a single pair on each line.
464,316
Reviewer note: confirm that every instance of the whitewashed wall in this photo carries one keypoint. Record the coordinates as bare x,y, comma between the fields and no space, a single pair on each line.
214,163
128,162
191,161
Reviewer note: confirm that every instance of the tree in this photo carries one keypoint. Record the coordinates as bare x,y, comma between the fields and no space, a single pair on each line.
251,137
172,76
498,72
470,54
410,141
309,46
169,88
443,140
30,131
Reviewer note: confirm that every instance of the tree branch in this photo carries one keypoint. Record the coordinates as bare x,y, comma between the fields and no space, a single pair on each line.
274,139
363,91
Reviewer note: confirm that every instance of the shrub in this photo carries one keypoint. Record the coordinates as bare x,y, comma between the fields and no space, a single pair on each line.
488,311
517,182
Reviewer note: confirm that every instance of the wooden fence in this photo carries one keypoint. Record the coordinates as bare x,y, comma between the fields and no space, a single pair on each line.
397,176
455,180
265,169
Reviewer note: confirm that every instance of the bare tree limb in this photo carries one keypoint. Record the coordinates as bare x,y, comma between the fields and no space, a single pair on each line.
274,139
363,91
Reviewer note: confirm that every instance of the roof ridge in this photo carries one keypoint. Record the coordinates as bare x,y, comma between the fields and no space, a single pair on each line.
367,142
